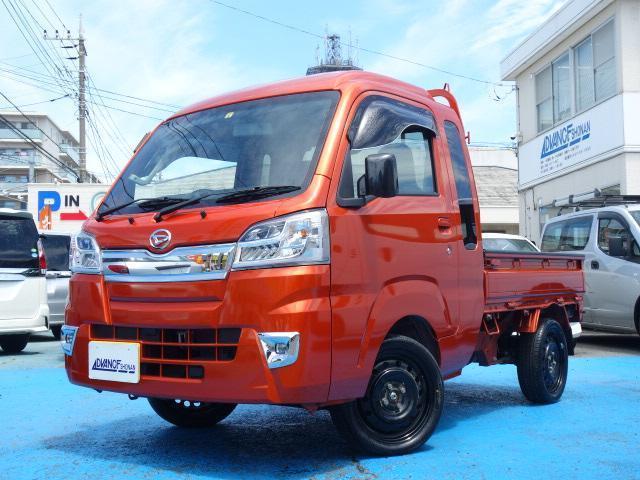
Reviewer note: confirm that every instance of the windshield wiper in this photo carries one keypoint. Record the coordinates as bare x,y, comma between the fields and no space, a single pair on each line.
248,194
142,202
257,192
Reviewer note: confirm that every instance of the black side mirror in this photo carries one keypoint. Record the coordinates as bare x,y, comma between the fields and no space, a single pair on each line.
381,176
617,247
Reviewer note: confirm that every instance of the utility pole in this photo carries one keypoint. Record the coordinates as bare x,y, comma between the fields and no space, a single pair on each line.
82,103
82,108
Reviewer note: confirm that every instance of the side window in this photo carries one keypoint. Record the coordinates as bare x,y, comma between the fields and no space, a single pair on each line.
566,236
551,237
383,125
612,227
463,186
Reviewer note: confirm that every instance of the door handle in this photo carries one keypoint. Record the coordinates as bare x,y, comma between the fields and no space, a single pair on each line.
444,223
595,265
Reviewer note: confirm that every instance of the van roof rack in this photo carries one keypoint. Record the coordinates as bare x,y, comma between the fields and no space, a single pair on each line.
594,199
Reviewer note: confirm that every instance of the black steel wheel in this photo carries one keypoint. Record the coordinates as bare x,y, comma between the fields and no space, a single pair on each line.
402,405
191,414
14,343
543,361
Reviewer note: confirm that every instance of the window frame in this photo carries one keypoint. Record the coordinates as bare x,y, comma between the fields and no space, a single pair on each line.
573,78
428,134
616,216
565,223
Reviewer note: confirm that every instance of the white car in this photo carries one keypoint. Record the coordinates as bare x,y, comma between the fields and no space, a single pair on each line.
23,290
503,242
609,238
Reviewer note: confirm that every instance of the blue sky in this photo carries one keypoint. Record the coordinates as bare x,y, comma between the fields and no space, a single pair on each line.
179,52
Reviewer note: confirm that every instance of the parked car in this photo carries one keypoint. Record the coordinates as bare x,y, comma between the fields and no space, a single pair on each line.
23,291
609,238
56,249
313,242
503,242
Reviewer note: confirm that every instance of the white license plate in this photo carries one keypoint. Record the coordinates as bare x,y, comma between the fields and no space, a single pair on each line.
114,361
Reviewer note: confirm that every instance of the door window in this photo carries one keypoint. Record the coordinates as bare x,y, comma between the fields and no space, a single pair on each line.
568,235
463,186
612,227
384,125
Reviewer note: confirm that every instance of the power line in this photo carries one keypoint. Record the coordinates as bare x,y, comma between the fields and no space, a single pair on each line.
355,47
38,103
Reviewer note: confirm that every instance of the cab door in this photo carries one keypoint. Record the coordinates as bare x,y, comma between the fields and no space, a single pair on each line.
391,258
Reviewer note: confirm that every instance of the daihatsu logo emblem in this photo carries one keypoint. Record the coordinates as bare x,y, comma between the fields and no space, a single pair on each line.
160,239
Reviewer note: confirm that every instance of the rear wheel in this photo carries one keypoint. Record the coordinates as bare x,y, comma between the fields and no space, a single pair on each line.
402,405
14,343
191,414
56,330
543,361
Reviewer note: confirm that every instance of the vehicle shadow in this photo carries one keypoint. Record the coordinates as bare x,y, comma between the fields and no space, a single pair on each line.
607,343
259,441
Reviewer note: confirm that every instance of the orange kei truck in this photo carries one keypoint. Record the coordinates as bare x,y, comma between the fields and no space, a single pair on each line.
313,243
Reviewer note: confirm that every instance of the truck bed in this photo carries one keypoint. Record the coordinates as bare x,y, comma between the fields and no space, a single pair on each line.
516,281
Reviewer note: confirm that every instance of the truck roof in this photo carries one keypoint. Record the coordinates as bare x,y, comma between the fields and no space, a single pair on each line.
343,81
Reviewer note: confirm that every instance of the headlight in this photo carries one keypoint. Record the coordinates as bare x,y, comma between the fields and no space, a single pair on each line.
84,256
298,239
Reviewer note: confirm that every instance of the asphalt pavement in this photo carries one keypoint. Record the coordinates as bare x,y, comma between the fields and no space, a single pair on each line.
52,429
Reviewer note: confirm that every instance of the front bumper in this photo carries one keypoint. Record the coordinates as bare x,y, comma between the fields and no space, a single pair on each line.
290,300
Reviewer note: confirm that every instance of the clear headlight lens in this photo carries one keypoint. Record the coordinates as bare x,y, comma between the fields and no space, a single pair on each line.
298,239
84,256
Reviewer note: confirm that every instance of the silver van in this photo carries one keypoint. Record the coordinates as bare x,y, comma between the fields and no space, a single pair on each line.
609,238
56,250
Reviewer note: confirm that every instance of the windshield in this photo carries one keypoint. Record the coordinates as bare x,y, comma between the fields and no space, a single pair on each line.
636,216
507,245
260,143
18,242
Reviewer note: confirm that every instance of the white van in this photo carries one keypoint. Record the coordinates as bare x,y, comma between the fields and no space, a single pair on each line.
609,238
23,291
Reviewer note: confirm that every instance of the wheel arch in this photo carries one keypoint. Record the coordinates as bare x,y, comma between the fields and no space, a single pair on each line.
419,329
559,313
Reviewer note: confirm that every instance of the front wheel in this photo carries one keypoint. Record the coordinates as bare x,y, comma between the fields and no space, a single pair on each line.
543,361
191,414
14,343
402,405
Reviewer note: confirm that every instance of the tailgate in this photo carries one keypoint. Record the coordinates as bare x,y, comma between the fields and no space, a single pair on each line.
514,280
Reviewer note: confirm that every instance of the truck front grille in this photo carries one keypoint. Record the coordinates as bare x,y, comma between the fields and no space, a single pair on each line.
175,352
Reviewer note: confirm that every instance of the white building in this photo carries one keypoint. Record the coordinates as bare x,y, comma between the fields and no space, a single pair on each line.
578,86
22,163
496,174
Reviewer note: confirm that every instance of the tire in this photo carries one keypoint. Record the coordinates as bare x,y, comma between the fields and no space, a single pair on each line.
543,361
191,414
402,405
14,343
56,330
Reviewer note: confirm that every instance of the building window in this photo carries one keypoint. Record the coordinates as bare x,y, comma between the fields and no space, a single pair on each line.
561,74
544,99
594,78
604,64
583,60
595,72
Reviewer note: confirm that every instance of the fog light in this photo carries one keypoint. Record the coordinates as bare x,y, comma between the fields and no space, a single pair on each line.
68,338
280,348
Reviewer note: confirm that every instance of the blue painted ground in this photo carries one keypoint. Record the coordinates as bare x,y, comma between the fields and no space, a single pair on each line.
51,429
